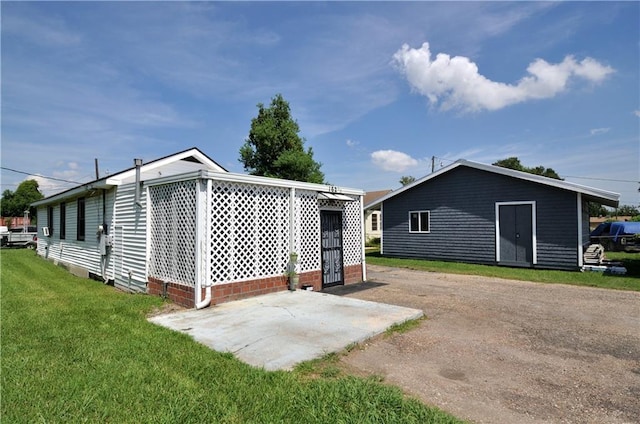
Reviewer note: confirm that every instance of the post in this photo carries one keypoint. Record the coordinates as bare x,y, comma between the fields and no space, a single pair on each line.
433,164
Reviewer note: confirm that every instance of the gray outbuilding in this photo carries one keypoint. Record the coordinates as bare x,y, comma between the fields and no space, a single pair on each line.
478,213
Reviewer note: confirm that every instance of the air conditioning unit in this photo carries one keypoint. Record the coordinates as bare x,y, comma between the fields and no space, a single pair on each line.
45,231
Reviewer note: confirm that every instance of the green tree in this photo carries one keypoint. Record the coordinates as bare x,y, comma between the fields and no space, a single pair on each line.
514,163
15,203
408,179
596,209
274,148
627,210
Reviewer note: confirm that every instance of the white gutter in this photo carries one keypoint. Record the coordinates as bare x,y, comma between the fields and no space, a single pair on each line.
202,239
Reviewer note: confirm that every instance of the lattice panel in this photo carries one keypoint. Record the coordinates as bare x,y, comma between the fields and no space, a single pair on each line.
351,228
307,227
172,227
249,227
352,232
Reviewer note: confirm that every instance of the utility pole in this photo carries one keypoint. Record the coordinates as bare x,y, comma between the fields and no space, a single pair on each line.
433,164
97,173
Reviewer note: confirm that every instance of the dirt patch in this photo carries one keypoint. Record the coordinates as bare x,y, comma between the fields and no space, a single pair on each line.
495,350
166,308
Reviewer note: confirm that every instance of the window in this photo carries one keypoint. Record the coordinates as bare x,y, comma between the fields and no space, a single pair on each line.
374,221
63,220
81,218
419,221
50,220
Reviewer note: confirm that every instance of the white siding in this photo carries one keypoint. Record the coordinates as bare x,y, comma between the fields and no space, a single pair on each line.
79,253
129,249
369,231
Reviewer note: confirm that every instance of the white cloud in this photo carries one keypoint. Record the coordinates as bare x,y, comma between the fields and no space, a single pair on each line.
598,131
391,160
49,187
455,82
352,143
637,113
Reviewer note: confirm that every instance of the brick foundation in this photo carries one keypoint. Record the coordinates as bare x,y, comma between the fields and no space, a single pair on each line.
184,295
352,274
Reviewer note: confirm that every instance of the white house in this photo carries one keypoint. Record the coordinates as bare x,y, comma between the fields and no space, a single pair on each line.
183,227
373,217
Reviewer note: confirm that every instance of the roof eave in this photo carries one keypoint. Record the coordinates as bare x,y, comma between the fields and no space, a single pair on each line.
607,198
102,184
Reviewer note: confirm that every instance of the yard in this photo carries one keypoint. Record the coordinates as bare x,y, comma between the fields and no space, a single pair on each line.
74,350
494,350
630,281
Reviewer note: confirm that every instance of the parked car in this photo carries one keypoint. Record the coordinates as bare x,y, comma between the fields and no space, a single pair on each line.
17,237
617,236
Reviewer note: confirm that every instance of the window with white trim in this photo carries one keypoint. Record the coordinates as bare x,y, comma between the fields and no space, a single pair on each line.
374,221
419,221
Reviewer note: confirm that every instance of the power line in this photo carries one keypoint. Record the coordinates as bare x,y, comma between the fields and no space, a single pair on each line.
602,179
37,175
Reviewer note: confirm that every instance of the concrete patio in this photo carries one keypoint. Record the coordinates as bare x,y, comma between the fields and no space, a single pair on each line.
279,330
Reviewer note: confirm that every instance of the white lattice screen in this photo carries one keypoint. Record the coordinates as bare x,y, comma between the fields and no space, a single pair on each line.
352,232
173,232
249,227
248,230
307,230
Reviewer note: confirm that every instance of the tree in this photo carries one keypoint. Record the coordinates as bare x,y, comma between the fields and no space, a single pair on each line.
514,163
274,148
627,210
15,203
407,180
596,209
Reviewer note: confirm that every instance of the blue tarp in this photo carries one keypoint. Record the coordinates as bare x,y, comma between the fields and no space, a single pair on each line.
623,228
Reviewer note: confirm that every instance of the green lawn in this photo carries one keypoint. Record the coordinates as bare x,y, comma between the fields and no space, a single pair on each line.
74,350
631,261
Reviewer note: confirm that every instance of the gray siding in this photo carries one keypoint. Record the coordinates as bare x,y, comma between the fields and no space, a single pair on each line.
462,206
585,224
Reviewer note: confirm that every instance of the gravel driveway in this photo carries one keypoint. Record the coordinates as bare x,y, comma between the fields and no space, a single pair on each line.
500,351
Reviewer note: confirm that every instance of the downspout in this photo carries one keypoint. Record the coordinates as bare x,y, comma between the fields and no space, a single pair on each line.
362,238
580,234
201,303
104,258
202,238
292,221
138,164
382,228
207,299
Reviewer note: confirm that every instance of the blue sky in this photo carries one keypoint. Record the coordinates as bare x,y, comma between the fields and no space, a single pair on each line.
377,88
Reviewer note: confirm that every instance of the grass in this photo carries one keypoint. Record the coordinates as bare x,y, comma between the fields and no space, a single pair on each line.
74,350
404,326
631,281
329,366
